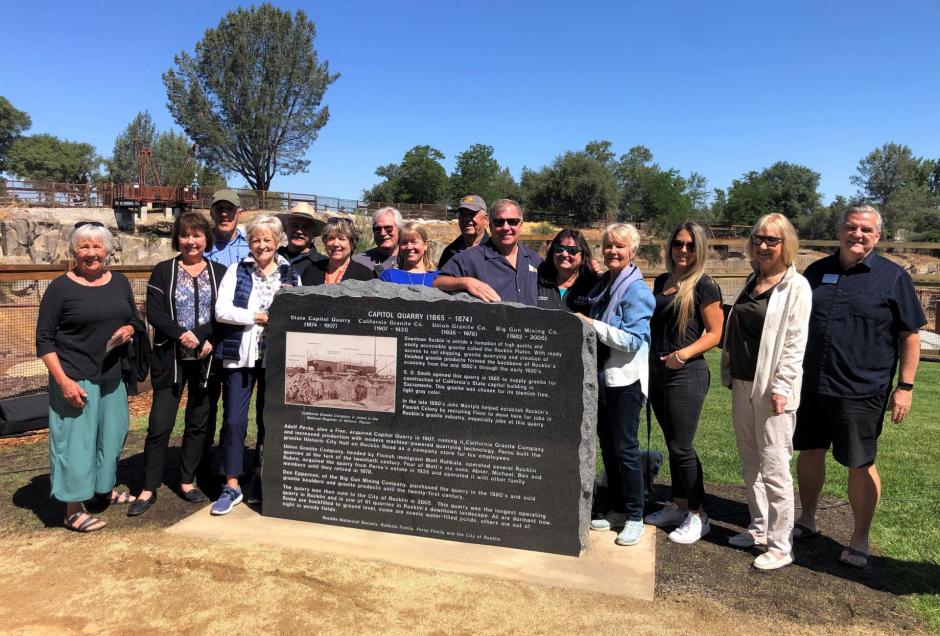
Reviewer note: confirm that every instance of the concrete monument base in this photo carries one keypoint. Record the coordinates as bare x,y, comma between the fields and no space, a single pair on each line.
604,567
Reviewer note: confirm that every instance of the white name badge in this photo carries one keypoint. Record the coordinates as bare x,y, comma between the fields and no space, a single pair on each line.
830,279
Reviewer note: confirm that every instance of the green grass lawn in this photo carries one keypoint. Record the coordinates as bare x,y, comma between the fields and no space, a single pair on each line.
906,525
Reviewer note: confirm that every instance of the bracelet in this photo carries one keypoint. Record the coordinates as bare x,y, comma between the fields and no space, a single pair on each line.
905,386
678,359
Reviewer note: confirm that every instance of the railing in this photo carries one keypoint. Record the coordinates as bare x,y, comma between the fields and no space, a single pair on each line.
21,289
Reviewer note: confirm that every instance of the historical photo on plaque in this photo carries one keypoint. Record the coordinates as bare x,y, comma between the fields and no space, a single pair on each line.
340,371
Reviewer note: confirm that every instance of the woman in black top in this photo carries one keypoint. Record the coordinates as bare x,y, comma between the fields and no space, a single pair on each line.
567,275
181,308
686,323
339,238
86,318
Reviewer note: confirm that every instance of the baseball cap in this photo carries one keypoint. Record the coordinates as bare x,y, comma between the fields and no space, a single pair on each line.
228,196
472,202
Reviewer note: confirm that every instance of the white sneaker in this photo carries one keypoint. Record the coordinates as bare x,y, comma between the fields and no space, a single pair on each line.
611,520
692,529
669,515
770,561
747,540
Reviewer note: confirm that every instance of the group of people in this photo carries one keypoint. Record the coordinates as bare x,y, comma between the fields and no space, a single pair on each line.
847,324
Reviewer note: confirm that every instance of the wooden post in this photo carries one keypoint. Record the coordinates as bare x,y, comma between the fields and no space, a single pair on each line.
936,317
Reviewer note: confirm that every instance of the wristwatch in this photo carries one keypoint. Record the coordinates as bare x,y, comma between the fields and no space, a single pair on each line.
905,386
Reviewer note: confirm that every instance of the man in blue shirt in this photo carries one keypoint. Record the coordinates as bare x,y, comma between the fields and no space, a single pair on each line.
498,269
228,244
863,327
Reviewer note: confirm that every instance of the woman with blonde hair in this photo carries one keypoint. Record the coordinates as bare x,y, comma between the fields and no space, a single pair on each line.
621,306
686,323
414,265
762,364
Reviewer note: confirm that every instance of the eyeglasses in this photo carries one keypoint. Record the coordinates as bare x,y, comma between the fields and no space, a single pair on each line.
678,245
513,222
91,223
571,250
772,241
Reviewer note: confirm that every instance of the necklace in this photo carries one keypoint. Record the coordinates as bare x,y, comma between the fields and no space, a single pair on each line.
421,278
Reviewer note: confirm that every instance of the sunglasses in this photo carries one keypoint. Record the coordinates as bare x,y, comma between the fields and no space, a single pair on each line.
91,223
571,250
379,228
772,241
510,222
678,245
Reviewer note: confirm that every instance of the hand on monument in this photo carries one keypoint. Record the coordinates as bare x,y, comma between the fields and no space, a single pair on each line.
261,318
900,405
588,321
482,291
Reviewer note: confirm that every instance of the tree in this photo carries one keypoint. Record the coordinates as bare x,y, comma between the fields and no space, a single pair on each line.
787,188
577,182
172,154
122,166
48,158
12,124
696,188
902,186
662,200
477,172
822,223
250,96
419,178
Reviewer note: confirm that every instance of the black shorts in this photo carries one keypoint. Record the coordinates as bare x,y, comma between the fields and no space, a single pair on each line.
850,425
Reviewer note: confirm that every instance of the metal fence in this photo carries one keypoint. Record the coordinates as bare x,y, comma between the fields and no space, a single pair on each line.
21,290
22,287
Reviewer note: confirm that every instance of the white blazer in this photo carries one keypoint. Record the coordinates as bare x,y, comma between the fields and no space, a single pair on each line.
782,343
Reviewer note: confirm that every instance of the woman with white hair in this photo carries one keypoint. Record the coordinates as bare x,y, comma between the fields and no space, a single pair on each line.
86,318
245,294
762,364
621,307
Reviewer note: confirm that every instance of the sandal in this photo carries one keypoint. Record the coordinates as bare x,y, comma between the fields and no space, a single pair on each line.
854,558
90,524
804,533
115,498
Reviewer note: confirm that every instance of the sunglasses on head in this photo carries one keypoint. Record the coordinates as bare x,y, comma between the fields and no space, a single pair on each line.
378,228
510,222
772,241
91,223
678,245
572,250
340,219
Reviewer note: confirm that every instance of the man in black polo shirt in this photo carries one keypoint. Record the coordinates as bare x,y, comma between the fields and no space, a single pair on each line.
472,219
498,269
863,327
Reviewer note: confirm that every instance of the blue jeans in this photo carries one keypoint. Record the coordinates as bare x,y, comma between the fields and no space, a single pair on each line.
237,385
618,419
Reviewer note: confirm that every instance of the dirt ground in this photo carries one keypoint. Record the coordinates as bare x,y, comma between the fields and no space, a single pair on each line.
132,577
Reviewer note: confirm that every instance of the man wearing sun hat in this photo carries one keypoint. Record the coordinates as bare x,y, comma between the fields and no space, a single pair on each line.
472,219
301,227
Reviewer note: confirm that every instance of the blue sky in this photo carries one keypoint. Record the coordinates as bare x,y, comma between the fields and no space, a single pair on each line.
715,87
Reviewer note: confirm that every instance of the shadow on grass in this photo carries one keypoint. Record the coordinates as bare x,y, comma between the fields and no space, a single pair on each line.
821,554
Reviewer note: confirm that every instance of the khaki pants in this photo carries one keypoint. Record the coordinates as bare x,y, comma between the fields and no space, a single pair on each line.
765,444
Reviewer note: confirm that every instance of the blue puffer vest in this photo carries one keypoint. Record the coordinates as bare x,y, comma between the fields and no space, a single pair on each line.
228,348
